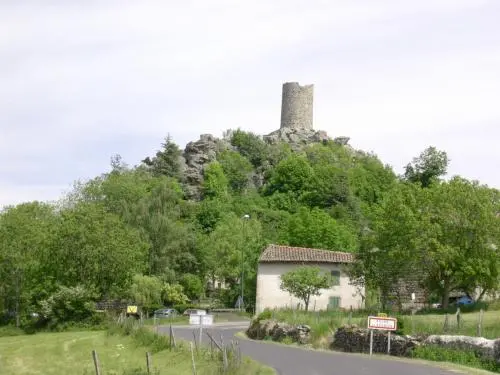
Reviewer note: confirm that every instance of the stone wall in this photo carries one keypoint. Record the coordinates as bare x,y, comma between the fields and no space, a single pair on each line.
357,340
297,106
278,331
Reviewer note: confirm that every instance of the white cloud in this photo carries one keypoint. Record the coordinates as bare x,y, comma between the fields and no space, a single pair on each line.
81,82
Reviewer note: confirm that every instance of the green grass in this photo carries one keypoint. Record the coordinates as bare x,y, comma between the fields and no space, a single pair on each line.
461,357
71,353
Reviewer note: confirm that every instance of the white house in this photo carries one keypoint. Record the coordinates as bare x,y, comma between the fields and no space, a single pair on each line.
276,260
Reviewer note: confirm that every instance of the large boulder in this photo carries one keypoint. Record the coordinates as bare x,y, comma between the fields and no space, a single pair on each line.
357,340
484,348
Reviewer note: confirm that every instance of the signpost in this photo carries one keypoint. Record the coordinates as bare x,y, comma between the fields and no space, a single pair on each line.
382,323
201,320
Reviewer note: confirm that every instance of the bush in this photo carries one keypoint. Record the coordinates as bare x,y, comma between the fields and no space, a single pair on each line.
10,330
266,314
68,305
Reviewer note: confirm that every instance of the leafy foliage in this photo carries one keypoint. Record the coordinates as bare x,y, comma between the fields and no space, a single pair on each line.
428,167
304,282
67,304
132,234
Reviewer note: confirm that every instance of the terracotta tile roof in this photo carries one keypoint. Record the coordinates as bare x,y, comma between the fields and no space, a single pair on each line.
283,253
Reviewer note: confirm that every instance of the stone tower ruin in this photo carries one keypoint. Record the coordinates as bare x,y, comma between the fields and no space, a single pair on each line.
297,106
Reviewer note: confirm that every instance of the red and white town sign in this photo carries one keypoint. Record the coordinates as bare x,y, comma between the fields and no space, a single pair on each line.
382,323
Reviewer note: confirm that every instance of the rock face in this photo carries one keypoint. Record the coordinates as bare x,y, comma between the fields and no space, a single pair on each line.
296,137
484,348
357,340
197,155
278,331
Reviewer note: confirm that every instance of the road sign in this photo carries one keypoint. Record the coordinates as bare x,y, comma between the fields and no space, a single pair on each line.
205,320
382,323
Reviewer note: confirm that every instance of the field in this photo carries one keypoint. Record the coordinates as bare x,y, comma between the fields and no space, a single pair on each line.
71,353
322,323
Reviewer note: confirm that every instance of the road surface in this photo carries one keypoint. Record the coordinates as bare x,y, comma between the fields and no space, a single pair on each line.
289,360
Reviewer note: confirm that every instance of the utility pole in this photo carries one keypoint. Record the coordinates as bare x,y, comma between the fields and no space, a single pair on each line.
245,218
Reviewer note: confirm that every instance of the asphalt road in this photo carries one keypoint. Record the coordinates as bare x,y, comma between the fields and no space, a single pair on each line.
288,360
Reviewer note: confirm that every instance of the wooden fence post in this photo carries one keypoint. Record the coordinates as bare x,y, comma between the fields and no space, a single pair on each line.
446,323
480,323
192,358
148,362
458,317
97,365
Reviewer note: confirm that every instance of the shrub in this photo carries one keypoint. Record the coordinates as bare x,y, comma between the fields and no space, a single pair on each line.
68,305
266,314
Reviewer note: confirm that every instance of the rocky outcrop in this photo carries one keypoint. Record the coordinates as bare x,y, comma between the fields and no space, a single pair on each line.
357,340
278,331
483,348
343,141
296,137
196,156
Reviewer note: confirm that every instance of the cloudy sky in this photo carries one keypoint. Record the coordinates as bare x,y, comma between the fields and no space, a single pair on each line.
83,80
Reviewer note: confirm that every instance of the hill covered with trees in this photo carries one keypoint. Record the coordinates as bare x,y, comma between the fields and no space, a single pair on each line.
170,228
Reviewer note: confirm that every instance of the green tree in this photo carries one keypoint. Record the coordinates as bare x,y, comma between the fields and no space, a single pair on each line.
192,285
464,235
427,167
237,168
392,248
251,146
446,235
147,291
95,249
304,282
215,184
317,229
167,161
26,232
292,175
173,294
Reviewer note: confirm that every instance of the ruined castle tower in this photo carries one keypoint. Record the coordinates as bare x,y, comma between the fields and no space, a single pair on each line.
297,106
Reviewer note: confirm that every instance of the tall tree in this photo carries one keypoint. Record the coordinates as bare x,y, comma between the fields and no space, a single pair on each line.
96,249
427,167
26,232
167,161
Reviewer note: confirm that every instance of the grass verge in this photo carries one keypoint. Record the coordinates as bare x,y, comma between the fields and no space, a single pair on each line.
71,353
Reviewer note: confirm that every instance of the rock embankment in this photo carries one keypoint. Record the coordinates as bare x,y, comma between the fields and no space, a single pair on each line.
278,331
357,340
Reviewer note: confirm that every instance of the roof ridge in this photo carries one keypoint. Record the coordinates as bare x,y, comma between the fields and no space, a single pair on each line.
286,253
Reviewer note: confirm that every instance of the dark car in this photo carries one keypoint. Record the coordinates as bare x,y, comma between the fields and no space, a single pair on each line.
165,313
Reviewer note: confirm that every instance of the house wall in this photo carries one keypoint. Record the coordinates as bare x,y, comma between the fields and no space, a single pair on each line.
269,294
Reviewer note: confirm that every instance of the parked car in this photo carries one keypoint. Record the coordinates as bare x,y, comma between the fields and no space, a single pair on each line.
465,300
194,312
165,313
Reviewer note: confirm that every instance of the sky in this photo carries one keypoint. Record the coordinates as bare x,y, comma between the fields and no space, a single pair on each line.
81,81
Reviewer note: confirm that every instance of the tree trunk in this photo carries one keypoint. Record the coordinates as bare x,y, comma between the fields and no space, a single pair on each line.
483,292
446,294
18,318
306,303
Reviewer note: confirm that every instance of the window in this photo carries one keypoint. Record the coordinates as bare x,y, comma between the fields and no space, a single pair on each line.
333,303
335,278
